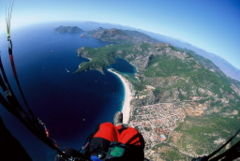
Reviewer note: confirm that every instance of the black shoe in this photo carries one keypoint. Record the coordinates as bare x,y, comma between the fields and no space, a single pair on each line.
118,118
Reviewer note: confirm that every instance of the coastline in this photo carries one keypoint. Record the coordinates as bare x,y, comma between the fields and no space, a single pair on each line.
126,107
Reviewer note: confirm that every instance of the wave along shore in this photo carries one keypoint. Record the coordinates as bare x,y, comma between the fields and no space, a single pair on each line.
126,107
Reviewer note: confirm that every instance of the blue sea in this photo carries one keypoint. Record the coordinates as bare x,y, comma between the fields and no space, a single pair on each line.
70,104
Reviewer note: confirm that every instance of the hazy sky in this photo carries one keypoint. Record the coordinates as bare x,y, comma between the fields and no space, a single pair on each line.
213,25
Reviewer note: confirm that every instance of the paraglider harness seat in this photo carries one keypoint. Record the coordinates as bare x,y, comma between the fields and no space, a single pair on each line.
112,143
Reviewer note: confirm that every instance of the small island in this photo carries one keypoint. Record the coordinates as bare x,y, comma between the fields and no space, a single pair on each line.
69,30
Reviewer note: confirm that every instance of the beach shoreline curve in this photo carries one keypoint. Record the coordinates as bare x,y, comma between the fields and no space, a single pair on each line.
126,106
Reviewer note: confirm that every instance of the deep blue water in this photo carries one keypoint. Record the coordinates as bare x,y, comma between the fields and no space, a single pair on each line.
71,105
123,66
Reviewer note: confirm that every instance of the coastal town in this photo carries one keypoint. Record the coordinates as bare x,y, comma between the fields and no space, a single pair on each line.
160,119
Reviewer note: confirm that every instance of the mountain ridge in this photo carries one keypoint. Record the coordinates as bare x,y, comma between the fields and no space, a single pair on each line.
223,64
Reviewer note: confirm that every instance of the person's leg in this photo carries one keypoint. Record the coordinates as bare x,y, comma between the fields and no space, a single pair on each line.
107,131
134,141
101,140
129,135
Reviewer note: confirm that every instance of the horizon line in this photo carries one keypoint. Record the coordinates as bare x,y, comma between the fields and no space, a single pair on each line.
122,25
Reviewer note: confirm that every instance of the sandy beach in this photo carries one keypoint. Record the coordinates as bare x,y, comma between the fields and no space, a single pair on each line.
127,96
